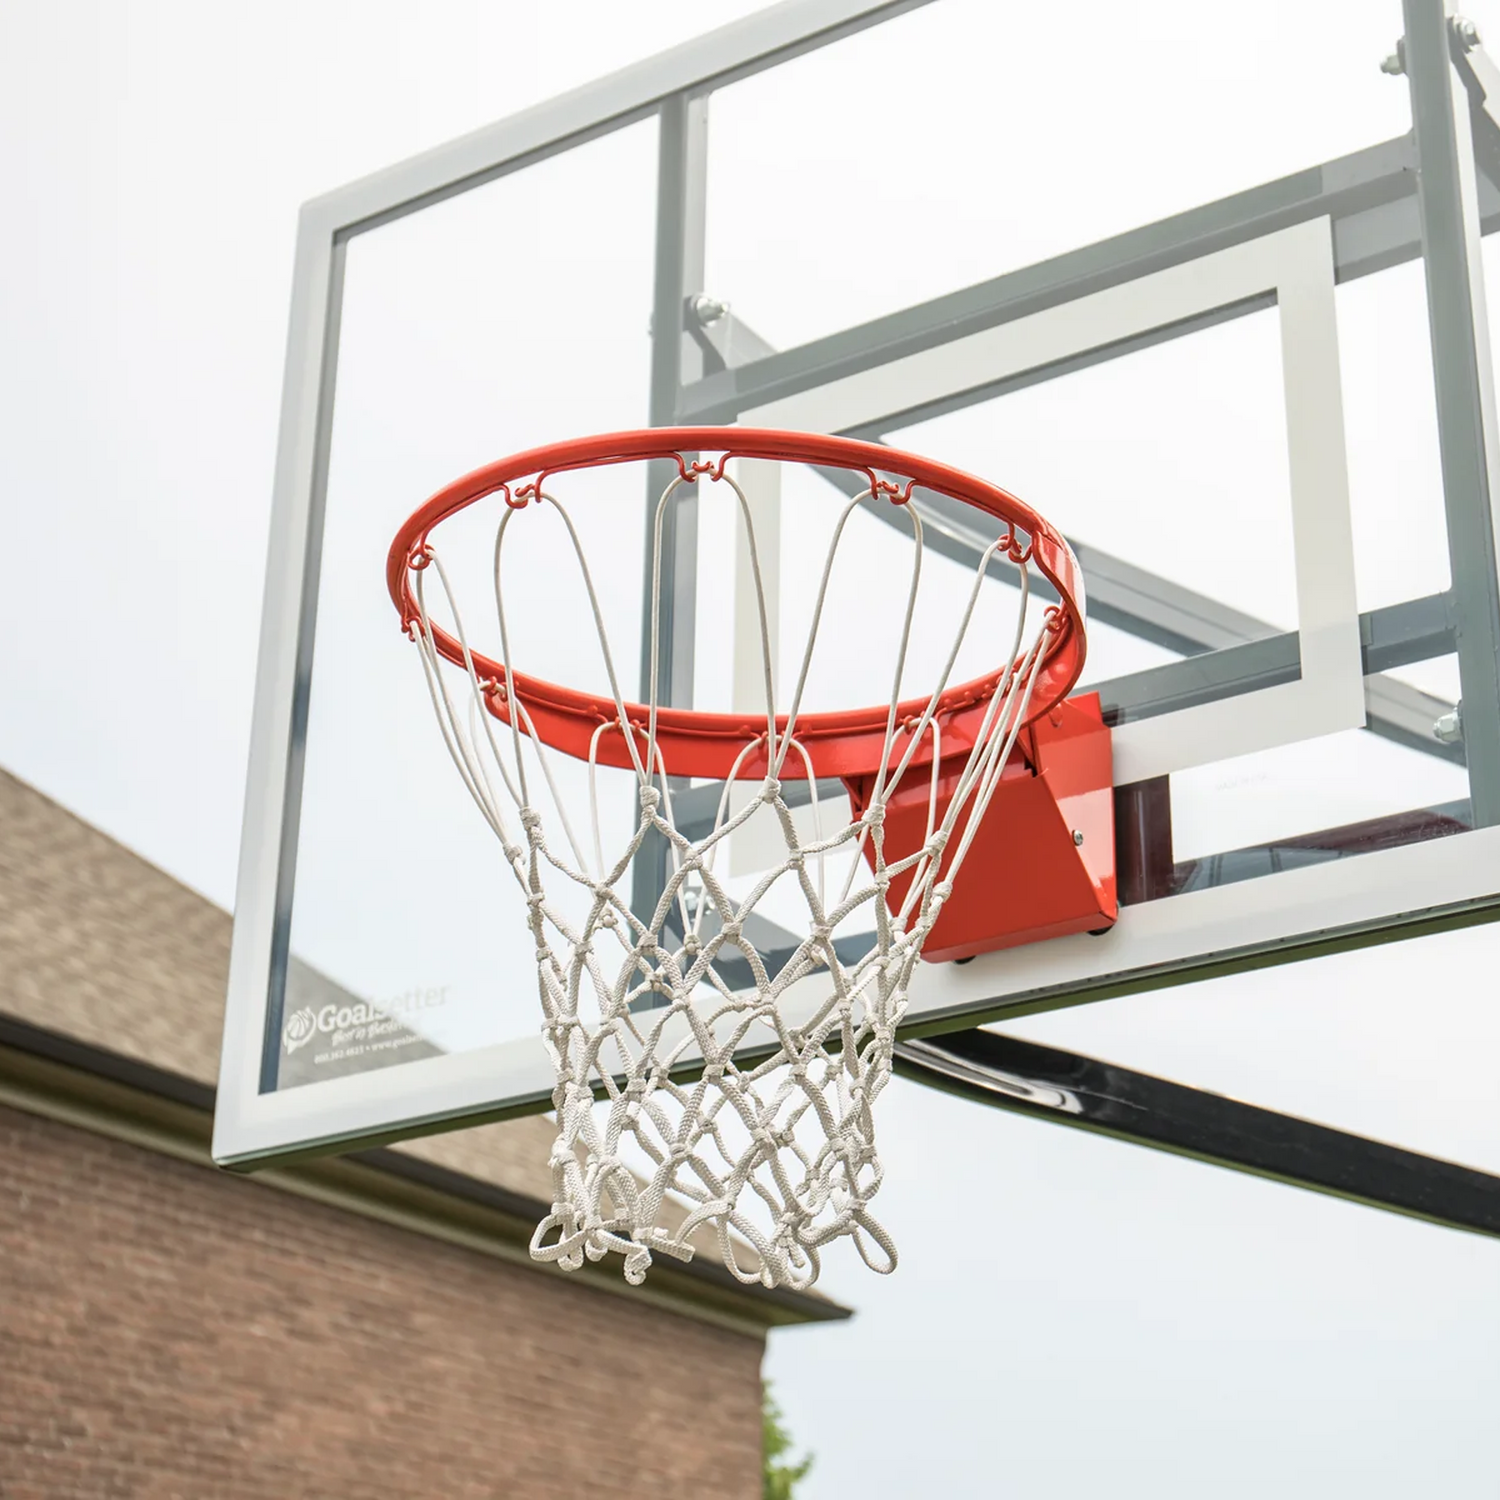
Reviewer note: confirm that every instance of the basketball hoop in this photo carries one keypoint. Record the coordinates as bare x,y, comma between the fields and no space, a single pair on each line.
752,1104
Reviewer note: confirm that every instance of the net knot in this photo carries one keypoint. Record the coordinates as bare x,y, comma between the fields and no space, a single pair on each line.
875,816
730,932
938,842
771,790
650,799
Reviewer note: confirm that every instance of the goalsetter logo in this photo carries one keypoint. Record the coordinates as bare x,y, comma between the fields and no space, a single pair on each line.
337,1021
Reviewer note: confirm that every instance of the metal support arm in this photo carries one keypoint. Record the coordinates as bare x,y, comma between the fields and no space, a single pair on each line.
1066,1089
1449,200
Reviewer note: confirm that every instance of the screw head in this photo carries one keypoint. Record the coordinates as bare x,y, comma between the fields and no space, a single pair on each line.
1449,729
1466,32
1077,835
708,309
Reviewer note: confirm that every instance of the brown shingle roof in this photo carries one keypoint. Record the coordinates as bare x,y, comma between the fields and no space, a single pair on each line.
99,946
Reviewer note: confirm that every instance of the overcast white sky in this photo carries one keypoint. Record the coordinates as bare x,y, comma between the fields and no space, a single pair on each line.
1105,1318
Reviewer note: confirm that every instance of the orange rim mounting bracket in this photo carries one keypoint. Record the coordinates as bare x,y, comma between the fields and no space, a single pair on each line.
1055,801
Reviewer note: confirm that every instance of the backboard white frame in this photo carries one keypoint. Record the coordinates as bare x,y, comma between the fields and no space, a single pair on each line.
1296,265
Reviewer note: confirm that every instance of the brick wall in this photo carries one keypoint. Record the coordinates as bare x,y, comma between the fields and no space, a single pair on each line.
169,1331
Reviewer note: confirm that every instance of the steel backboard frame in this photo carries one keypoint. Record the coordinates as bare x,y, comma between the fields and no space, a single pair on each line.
1408,197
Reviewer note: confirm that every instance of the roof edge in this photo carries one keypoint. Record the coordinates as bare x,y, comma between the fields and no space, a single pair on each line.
46,1073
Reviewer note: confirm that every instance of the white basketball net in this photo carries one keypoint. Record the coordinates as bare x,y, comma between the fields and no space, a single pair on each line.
750,1110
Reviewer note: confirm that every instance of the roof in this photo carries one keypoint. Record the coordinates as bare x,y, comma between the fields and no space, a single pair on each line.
113,967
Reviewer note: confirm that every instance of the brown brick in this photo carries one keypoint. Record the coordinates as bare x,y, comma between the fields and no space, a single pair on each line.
168,1331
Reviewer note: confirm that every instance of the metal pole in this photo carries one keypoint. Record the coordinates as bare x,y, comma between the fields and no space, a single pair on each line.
681,196
1463,378
1085,1094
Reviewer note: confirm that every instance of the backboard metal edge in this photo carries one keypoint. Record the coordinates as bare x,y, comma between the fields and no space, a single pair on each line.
1471,912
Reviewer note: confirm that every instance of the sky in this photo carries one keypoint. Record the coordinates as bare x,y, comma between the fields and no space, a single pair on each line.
1069,1313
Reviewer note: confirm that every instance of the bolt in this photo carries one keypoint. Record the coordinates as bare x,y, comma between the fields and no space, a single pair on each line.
1450,728
1466,32
1077,835
1395,64
708,309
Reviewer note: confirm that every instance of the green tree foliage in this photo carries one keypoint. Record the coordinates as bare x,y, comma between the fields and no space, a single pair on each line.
781,1474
